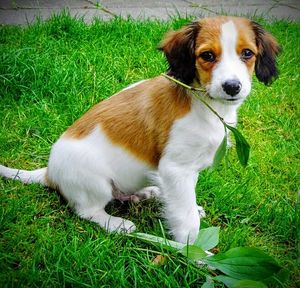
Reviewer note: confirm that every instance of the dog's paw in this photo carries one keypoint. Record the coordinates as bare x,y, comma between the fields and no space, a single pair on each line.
186,234
201,212
146,193
119,225
186,231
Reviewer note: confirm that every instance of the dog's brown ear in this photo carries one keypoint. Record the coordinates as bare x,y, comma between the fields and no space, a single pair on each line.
179,48
268,49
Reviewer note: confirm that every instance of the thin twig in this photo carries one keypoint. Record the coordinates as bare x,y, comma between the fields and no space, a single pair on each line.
193,89
182,84
98,6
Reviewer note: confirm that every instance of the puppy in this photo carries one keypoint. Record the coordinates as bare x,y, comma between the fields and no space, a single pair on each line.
156,130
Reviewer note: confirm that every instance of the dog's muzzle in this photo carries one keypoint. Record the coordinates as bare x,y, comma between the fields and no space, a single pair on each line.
232,87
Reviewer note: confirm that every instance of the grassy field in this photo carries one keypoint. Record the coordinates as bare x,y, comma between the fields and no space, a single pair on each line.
50,74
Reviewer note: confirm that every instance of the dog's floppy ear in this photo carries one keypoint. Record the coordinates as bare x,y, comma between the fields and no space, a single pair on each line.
179,48
268,49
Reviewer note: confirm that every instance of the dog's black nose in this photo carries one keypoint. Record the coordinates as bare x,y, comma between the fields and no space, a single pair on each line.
232,87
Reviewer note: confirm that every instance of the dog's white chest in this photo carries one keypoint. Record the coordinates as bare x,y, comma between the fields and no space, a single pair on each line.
195,138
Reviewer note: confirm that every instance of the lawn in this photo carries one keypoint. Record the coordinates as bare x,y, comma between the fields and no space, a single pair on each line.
50,74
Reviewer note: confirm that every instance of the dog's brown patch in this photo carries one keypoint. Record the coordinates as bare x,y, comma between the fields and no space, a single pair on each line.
179,49
138,119
208,40
268,50
246,40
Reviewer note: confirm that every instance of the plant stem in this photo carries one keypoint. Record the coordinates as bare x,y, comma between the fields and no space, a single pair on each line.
183,84
193,89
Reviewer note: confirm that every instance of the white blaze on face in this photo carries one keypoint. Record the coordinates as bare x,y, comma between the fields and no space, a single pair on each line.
228,43
230,67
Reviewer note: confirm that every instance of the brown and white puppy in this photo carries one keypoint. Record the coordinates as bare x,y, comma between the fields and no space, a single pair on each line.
155,130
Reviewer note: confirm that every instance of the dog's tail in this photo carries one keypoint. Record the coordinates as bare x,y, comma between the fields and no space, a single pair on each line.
27,177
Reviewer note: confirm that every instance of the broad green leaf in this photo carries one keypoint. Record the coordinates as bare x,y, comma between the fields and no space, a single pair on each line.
209,283
158,240
235,283
208,238
193,252
244,263
221,152
249,284
242,146
228,281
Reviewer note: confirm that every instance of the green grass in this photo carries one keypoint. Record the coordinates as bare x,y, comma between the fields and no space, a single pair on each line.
50,74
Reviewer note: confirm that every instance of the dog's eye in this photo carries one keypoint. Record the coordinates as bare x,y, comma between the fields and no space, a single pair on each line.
208,56
246,54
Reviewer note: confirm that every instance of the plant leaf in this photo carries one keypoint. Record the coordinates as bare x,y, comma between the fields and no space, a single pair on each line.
209,283
193,252
235,283
208,238
228,281
158,240
244,263
221,152
159,260
249,284
242,146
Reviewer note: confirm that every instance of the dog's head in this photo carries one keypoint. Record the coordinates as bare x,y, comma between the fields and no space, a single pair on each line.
221,53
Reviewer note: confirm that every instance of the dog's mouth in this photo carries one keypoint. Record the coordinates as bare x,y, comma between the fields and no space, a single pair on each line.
220,97
228,101
233,99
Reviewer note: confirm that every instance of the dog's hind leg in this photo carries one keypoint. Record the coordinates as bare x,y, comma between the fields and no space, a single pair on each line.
106,221
89,201
83,172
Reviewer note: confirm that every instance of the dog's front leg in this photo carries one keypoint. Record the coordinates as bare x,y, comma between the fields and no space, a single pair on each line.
180,208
